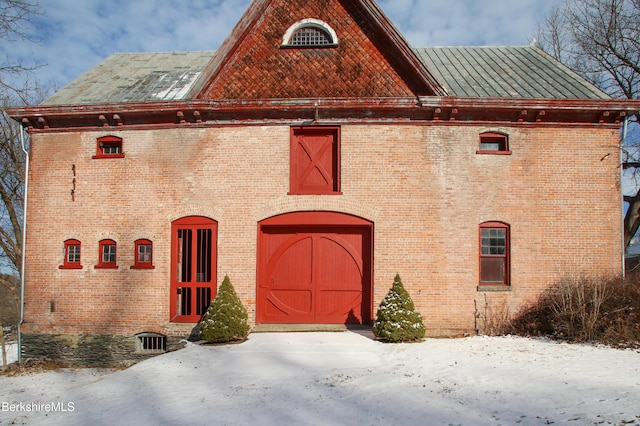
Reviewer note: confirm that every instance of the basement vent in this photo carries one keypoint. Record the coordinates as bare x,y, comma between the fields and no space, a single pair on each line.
151,343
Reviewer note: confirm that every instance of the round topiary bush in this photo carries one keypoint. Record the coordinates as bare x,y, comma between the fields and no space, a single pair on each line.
397,319
226,318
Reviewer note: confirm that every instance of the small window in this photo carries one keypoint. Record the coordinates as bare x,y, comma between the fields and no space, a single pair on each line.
315,160
71,255
109,147
494,254
143,255
311,36
151,343
310,33
107,258
494,143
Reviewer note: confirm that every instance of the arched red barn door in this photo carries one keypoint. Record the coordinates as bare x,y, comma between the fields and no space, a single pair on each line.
314,268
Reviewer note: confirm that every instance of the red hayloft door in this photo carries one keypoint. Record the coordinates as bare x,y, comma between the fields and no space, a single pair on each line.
314,268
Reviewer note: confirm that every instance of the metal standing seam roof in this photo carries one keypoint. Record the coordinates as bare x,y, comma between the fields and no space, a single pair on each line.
505,72
468,72
135,77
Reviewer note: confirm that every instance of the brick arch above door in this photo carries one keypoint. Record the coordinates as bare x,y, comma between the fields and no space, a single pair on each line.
186,210
328,203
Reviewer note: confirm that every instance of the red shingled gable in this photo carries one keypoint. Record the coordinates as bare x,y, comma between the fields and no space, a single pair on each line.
372,59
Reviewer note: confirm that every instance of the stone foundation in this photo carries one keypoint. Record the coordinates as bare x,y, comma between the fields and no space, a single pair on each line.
90,350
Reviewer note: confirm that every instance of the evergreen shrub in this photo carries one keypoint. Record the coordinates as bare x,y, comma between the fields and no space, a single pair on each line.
226,318
397,319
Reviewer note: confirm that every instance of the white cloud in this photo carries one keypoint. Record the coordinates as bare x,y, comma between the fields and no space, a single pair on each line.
77,35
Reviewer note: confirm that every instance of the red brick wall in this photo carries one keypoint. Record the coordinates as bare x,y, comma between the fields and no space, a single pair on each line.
424,187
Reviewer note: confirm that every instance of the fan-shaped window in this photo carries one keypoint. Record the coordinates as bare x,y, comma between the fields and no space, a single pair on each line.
310,33
310,36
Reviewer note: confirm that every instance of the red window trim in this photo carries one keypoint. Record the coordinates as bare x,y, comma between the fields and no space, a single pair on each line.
101,263
137,263
507,256
66,263
295,186
109,140
494,137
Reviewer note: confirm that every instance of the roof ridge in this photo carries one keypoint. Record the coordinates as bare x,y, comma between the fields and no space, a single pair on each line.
474,47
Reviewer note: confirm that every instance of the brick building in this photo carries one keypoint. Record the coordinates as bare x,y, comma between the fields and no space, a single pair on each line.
312,157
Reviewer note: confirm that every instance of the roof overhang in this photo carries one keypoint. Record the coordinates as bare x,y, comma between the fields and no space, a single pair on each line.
313,111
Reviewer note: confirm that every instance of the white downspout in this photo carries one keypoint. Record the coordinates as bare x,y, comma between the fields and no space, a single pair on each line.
623,138
24,239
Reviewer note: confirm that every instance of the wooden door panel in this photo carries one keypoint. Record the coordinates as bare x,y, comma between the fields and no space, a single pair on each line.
290,305
315,160
288,288
339,278
312,277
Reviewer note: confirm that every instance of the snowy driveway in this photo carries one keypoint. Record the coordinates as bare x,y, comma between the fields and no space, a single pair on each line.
342,379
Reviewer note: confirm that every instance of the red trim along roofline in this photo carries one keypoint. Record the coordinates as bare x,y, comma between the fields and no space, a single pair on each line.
315,111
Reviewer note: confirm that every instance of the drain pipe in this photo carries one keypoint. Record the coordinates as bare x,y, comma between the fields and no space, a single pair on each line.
623,139
24,239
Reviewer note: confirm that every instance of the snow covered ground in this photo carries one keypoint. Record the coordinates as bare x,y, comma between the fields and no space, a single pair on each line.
342,379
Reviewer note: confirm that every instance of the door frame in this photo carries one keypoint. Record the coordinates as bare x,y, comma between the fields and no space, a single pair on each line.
192,223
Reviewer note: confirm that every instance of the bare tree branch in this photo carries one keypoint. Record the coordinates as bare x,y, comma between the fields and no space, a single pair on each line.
600,40
16,18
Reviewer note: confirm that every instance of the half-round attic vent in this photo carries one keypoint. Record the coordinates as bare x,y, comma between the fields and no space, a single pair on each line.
310,33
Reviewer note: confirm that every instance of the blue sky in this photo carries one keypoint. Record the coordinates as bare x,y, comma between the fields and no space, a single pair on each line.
75,35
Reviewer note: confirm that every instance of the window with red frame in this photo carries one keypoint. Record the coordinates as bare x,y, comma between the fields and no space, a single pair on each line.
494,254
107,254
494,143
315,160
71,254
143,255
109,147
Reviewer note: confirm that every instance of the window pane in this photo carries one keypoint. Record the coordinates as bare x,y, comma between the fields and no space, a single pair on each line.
111,149
144,253
310,36
184,255
494,241
203,298
183,301
204,256
73,255
492,270
108,253
490,146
